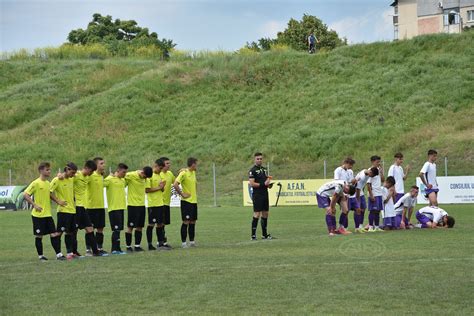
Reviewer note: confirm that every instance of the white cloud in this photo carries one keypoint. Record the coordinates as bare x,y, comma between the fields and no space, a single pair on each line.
373,26
271,28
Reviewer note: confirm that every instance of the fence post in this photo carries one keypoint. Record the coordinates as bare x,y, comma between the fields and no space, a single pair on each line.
10,176
445,166
268,168
214,181
383,167
325,167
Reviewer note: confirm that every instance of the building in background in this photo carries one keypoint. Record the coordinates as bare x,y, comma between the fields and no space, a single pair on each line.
417,17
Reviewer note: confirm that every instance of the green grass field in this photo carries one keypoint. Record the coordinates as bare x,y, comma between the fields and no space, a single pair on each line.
301,272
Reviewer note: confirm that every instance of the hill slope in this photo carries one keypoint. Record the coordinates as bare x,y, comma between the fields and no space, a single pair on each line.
298,109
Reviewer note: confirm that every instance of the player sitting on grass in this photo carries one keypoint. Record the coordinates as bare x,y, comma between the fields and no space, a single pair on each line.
374,186
404,204
358,203
388,195
433,216
327,196
43,223
345,173
428,177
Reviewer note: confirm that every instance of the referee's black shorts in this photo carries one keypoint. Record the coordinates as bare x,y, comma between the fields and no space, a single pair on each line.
260,202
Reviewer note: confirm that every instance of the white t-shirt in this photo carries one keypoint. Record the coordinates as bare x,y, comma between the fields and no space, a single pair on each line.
405,201
328,189
362,179
376,185
397,172
429,169
343,174
389,210
434,213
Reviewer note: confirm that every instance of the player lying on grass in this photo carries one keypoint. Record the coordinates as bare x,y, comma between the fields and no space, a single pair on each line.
358,203
43,223
433,216
327,196
388,195
406,204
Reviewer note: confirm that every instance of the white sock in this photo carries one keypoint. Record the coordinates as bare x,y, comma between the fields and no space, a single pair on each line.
191,242
59,255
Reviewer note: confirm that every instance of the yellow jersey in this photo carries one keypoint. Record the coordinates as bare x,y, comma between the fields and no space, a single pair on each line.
39,189
95,191
80,188
136,188
115,188
154,198
169,177
187,179
64,190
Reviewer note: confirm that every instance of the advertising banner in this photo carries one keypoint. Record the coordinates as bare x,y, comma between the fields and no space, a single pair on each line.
452,190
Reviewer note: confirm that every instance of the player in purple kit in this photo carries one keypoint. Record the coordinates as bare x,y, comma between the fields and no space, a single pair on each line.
327,196
428,177
345,173
404,204
396,171
388,195
433,216
374,187
358,203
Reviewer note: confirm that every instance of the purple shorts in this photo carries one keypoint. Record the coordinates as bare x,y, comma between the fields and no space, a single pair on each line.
377,205
398,220
390,221
323,201
354,204
429,191
398,196
422,219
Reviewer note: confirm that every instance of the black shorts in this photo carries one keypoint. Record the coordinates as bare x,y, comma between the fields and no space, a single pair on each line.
116,220
97,216
136,216
82,218
66,223
167,215
260,202
189,211
43,225
156,215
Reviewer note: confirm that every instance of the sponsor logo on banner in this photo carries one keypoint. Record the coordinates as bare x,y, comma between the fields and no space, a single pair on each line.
452,190
293,192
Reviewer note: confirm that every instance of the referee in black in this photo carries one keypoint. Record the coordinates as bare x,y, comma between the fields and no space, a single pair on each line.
260,182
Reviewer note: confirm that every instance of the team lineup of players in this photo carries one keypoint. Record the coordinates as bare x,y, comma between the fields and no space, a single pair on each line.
385,196
79,195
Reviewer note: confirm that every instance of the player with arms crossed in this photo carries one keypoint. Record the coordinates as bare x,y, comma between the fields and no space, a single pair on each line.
404,204
43,223
189,207
260,182
428,177
433,216
328,196
396,171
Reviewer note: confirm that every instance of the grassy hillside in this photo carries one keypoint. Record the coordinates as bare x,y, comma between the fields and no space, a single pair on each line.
298,109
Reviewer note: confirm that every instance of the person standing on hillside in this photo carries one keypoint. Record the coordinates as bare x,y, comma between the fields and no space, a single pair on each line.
259,180
312,40
189,208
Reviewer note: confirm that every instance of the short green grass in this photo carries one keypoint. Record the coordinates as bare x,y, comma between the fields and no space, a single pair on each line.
302,272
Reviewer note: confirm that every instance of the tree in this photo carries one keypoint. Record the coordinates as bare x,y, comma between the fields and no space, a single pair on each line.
296,35
102,29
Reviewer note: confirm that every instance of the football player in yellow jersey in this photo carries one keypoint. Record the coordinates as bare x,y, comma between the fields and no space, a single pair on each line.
154,189
168,176
82,217
116,203
136,183
62,192
95,205
43,223
189,209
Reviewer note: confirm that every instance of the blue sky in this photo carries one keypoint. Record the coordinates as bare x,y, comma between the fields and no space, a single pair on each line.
193,24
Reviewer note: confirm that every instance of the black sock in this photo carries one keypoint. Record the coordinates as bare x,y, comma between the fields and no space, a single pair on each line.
184,232
90,240
254,226
263,221
138,238
39,245
87,240
74,242
164,235
149,234
56,243
99,237
68,242
128,239
160,235
191,230
116,240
